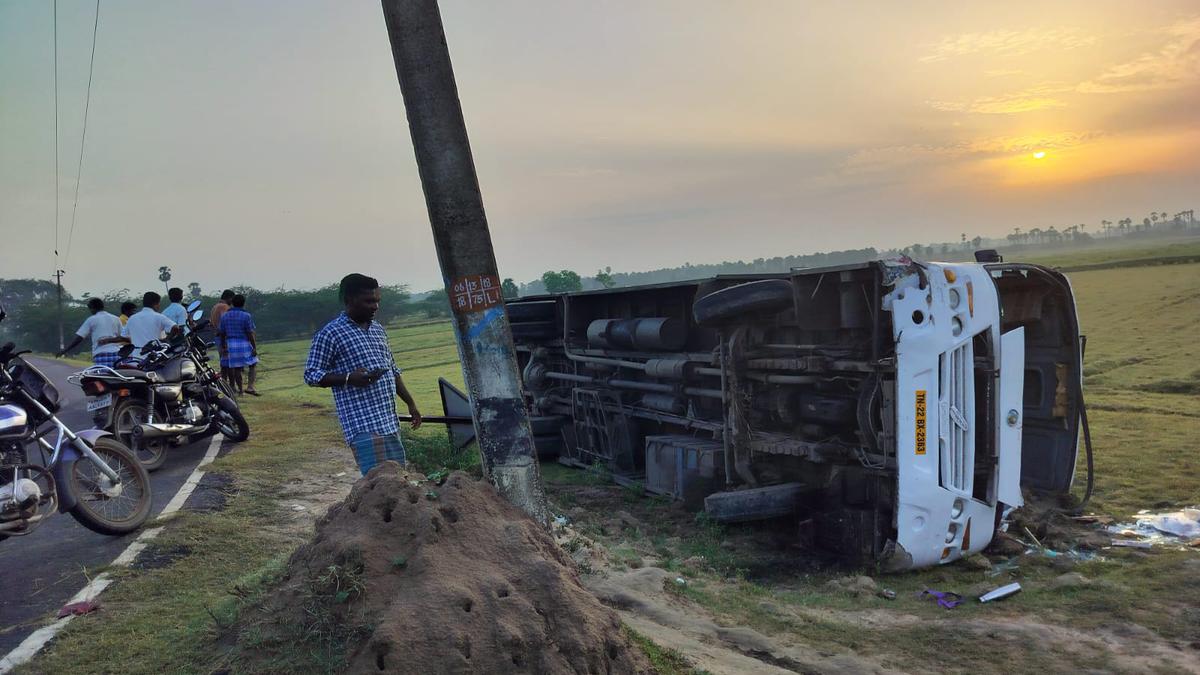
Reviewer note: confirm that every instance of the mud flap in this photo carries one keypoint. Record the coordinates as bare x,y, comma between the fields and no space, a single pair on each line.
1011,416
62,473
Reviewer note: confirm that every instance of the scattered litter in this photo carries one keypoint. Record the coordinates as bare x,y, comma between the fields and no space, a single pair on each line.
78,608
680,581
1171,528
560,521
1003,567
297,507
1183,523
1130,543
1002,592
887,594
1093,518
1035,540
1079,554
944,599
340,474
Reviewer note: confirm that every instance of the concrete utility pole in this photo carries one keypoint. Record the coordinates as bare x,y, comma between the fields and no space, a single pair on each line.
58,283
464,248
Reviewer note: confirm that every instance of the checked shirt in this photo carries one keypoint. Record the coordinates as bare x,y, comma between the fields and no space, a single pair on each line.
341,347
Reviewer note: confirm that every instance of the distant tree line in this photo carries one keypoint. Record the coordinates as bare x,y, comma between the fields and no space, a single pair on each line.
284,313
32,309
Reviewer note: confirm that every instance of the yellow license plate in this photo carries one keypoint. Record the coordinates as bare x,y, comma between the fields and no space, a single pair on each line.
920,421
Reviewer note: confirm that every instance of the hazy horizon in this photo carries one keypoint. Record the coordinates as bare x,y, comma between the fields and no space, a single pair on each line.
237,143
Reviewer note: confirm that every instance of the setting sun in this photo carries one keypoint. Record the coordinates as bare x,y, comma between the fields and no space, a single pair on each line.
1039,154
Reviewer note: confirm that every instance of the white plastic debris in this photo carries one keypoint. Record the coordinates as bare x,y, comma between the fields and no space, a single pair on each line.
1167,528
680,581
1130,543
1002,592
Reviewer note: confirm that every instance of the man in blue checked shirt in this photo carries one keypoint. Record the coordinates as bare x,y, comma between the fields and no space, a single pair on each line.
351,356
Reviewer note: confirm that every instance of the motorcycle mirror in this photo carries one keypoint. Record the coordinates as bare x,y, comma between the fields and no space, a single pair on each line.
193,306
126,350
197,315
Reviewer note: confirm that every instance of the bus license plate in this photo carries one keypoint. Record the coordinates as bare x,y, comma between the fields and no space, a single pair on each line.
98,403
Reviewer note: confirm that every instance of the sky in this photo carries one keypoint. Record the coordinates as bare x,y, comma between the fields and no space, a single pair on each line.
260,143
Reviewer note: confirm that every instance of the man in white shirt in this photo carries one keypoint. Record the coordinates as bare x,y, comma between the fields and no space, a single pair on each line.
100,327
176,311
148,324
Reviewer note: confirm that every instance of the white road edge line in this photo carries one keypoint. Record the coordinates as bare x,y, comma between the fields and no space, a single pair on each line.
33,644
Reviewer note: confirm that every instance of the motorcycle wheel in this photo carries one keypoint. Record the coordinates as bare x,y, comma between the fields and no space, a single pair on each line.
230,421
152,453
102,506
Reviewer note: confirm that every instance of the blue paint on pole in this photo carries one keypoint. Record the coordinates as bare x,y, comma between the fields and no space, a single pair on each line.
488,317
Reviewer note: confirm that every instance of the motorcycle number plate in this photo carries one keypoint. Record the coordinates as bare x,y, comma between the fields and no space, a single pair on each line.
98,403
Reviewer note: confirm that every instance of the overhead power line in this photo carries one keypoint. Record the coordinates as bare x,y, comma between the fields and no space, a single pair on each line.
83,137
56,134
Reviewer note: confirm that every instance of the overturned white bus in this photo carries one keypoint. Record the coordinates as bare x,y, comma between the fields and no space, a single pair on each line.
894,407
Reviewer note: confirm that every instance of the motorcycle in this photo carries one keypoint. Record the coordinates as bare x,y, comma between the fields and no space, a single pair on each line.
88,474
165,395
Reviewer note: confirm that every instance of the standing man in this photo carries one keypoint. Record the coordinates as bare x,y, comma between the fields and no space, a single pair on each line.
148,325
351,355
214,320
176,311
236,332
100,326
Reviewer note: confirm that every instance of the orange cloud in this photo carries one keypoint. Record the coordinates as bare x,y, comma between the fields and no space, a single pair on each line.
1175,64
1008,42
1034,98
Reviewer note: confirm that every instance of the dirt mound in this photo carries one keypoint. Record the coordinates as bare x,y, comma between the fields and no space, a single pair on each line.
409,576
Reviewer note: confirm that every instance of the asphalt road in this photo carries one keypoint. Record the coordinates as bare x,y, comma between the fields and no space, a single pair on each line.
41,571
